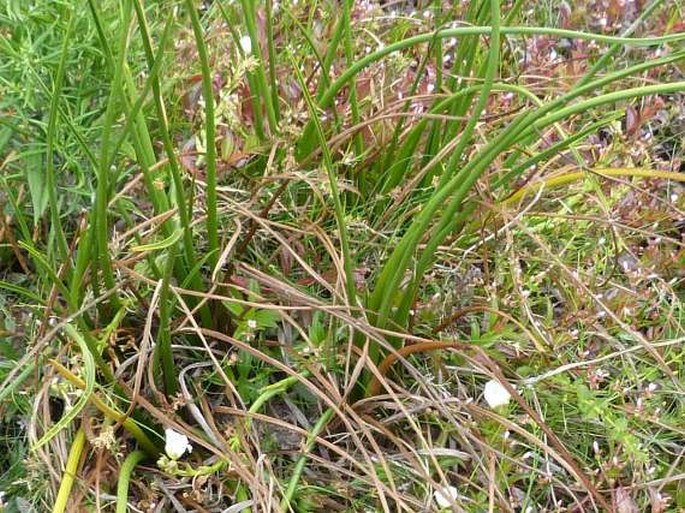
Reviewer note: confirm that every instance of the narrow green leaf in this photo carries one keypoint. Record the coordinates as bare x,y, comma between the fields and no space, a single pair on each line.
35,178
162,244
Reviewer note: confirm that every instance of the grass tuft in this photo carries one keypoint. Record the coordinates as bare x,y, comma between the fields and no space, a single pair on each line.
312,238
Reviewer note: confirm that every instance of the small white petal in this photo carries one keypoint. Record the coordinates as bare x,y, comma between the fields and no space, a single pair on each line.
445,497
177,444
495,394
246,44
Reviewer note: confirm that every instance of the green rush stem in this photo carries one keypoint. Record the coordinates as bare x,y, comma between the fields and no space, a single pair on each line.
252,82
520,127
275,389
44,265
125,472
100,211
465,58
181,203
90,356
489,79
210,136
110,412
454,192
95,14
249,8
307,142
329,57
272,60
26,371
609,54
513,12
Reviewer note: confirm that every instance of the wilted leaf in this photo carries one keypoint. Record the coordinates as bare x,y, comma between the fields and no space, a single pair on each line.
286,261
632,120
657,500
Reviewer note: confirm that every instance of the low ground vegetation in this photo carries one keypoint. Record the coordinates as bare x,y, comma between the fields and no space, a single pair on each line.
343,256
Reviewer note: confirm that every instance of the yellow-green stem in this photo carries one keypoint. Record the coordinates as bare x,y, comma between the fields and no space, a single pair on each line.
70,472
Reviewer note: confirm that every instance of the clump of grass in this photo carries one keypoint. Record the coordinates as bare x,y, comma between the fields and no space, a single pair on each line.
309,258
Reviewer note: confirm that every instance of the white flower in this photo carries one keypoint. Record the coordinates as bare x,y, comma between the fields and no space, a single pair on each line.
246,44
176,444
495,394
252,324
445,497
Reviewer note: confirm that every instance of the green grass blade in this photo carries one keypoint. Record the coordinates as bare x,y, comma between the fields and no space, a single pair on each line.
335,193
210,135
306,142
50,181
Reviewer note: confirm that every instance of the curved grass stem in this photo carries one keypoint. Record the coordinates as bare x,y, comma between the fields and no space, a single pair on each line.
307,141
69,476
125,478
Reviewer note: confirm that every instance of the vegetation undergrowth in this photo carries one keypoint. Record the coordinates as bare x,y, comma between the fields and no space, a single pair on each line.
277,256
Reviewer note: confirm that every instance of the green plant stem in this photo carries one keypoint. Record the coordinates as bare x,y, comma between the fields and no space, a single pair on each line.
302,461
88,386
489,79
163,348
608,55
307,141
100,216
210,135
11,386
349,57
166,136
328,59
253,84
454,192
249,10
273,83
69,476
95,14
45,266
50,182
275,389
125,472
348,264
